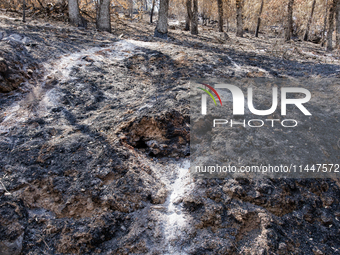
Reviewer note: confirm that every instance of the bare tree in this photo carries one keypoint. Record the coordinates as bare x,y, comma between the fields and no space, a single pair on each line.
73,12
205,15
239,18
24,11
331,25
140,8
337,17
289,24
131,9
227,14
152,10
220,15
324,24
161,30
194,19
305,38
188,15
103,16
259,20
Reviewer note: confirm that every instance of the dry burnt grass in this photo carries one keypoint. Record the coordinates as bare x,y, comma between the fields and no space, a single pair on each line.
78,170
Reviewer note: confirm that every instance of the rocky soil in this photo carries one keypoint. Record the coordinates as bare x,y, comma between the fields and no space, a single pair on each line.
95,138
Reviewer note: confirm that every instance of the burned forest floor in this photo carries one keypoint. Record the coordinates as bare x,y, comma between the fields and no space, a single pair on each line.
95,135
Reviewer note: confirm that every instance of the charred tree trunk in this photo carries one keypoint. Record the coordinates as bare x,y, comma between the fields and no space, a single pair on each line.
337,16
73,12
259,20
187,23
188,15
324,24
194,19
331,25
239,18
140,7
289,25
24,11
103,16
161,30
131,9
305,38
227,24
220,15
152,10
204,14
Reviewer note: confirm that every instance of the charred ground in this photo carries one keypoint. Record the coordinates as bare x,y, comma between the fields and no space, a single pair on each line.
83,143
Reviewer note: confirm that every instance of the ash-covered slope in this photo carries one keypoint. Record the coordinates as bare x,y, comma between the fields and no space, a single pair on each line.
92,153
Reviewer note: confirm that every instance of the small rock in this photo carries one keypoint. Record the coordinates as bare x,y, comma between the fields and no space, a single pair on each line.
29,71
282,246
159,207
316,251
15,37
326,218
177,201
88,59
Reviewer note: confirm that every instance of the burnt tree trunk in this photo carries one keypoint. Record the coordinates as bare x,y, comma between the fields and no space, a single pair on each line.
130,9
239,18
103,16
324,24
188,16
227,24
337,17
259,20
152,10
289,25
194,19
24,11
220,15
204,14
331,25
161,30
73,12
305,38
187,23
